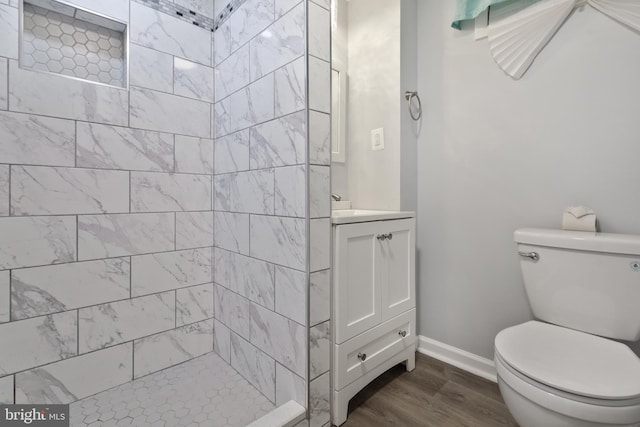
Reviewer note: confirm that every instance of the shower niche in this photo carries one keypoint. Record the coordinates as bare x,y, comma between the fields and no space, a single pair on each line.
62,39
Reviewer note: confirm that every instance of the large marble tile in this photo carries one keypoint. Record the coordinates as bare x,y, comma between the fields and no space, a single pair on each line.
319,85
192,80
279,337
246,276
291,295
291,191
284,6
290,87
28,242
194,229
6,390
5,296
165,33
105,325
319,349
105,236
52,289
244,24
194,155
112,147
40,190
58,96
9,22
324,3
319,32
169,348
4,84
118,9
319,138
280,142
72,379
320,297
247,107
34,342
279,44
289,386
194,304
201,7
319,191
4,190
231,231
257,367
232,74
246,192
150,69
36,140
319,401
279,240
161,192
164,112
170,270
232,310
320,244
232,153
222,341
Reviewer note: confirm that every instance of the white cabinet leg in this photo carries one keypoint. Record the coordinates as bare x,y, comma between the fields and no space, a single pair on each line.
411,362
340,408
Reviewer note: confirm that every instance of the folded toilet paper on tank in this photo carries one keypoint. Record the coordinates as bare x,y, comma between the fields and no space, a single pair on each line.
579,218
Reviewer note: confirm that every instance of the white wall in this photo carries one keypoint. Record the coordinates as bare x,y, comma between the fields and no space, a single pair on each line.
496,154
374,102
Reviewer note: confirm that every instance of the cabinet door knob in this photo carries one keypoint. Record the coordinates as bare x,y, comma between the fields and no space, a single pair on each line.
362,356
402,333
382,236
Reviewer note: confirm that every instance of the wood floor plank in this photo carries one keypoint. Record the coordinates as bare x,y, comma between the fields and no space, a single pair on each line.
434,394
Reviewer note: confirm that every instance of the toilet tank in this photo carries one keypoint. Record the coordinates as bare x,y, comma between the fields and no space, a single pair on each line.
584,281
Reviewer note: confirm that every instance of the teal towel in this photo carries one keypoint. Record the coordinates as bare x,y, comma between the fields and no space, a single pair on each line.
469,9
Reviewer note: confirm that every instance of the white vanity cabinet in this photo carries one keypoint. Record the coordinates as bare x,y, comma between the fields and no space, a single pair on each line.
373,304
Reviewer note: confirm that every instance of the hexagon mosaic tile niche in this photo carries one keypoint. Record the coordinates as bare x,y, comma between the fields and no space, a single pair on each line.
64,44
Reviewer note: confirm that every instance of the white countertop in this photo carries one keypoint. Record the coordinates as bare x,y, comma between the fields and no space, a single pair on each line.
348,216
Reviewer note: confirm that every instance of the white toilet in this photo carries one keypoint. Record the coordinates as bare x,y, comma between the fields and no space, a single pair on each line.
566,369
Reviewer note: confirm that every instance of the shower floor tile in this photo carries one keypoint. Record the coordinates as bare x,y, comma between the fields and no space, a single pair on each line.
205,391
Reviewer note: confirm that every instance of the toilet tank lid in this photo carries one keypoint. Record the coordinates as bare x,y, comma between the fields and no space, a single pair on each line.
572,361
580,240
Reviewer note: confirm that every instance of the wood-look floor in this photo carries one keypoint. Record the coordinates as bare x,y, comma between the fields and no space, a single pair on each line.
434,394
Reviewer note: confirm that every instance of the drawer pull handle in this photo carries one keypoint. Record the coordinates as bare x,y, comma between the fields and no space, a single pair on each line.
390,236
402,333
385,236
362,356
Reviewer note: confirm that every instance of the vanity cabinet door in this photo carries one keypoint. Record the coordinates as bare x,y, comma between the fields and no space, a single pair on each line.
358,272
398,253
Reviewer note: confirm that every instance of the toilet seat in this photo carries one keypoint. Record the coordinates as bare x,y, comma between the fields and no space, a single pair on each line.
606,412
525,364
571,361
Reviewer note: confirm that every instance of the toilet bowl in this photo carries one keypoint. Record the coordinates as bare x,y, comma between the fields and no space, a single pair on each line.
551,388
566,369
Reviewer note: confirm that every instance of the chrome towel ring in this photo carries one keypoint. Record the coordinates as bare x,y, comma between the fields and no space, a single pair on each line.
410,96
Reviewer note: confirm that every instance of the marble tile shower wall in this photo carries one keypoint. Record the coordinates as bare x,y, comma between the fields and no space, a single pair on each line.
272,198
106,213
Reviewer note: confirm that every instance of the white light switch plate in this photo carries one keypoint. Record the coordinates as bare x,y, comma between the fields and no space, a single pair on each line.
377,139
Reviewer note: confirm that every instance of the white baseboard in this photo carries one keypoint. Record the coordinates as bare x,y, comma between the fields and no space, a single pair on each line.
469,362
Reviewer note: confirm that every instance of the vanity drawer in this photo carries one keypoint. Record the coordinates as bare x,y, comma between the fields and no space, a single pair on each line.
374,346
